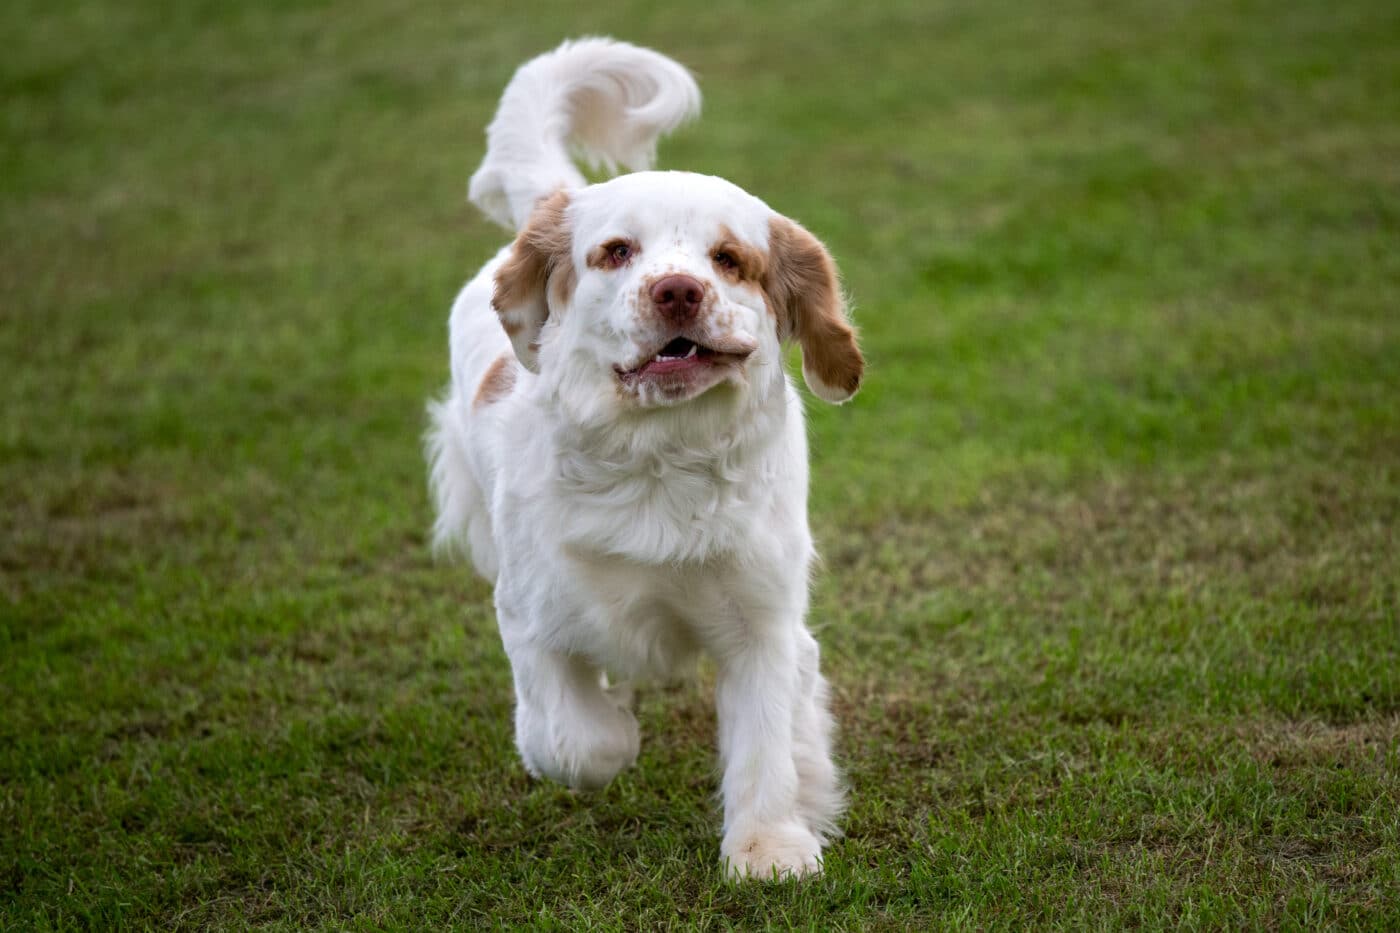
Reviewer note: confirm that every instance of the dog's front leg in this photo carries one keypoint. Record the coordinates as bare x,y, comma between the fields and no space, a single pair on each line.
568,727
757,696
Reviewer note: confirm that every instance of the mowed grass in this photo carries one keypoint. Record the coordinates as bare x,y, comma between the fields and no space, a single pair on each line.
1109,599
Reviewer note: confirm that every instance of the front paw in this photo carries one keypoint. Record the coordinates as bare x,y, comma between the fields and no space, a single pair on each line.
582,752
787,850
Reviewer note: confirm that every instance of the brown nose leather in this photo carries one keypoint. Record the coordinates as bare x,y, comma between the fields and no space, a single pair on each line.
678,297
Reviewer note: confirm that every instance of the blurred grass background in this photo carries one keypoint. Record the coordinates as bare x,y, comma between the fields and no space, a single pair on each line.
1110,592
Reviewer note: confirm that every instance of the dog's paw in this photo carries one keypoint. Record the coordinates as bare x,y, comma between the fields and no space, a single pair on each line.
788,850
594,763
584,752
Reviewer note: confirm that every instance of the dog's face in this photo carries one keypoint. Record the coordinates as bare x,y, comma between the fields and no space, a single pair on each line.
654,288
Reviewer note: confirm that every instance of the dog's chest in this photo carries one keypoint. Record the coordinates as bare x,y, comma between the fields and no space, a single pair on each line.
656,510
651,620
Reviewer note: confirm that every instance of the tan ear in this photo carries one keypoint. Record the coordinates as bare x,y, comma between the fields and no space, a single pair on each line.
802,286
538,273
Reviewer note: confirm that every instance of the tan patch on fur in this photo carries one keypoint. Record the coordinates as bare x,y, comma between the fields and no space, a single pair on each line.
561,284
598,256
752,264
541,257
801,287
497,383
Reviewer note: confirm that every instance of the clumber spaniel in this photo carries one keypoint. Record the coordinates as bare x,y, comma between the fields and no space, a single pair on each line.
623,455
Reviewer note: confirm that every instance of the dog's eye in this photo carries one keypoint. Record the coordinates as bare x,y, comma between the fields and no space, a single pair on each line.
619,253
726,261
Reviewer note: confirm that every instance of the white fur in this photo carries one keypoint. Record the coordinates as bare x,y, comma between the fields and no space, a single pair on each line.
630,531
609,99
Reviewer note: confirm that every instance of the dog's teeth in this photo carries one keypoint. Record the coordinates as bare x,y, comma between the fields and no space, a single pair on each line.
693,348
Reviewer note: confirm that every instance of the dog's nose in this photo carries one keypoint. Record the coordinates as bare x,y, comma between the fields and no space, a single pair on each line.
678,297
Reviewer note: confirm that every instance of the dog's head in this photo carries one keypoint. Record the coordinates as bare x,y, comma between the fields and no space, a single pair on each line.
652,289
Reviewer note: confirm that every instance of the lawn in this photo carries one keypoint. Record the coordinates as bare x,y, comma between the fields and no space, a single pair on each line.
1110,597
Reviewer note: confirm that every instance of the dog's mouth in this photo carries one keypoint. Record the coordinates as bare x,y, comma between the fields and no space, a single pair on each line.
678,355
681,356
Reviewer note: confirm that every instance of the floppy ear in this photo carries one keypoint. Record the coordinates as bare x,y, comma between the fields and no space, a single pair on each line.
538,273
806,295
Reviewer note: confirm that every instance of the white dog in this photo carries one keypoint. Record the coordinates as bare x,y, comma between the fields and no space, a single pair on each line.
623,455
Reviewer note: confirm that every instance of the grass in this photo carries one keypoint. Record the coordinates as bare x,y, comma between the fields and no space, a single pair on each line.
1111,595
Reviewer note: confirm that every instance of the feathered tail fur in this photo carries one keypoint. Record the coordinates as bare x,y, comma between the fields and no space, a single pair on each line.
606,101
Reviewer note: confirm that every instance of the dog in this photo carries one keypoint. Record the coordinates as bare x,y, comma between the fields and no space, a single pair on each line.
623,455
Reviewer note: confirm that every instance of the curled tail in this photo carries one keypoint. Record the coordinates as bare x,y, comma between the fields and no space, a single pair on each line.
607,101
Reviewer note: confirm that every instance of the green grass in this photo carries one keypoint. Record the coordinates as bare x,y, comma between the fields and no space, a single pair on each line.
1111,593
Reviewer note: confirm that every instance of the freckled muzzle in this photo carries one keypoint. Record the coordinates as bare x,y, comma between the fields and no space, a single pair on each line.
690,349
